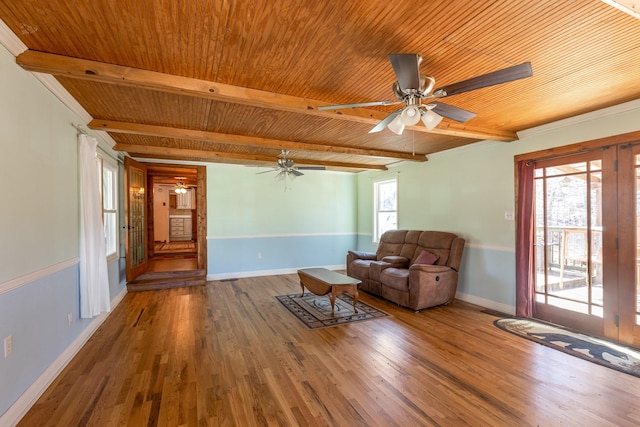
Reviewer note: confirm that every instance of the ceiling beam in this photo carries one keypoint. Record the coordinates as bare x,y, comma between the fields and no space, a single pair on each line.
189,154
60,65
179,133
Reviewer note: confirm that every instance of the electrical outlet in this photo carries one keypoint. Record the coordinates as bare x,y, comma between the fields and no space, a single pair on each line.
70,318
259,255
8,346
509,216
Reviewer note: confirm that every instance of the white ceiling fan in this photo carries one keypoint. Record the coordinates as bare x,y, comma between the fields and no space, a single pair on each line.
412,88
286,168
181,185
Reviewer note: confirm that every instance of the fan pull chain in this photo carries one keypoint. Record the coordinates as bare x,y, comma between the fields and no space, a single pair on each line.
413,142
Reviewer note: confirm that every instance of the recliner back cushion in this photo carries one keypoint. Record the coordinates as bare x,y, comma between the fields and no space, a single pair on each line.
411,243
438,242
391,243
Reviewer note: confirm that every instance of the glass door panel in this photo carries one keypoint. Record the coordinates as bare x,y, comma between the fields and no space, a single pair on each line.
568,227
136,219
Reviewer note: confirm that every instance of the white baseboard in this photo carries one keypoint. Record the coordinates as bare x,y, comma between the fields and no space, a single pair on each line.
256,273
14,414
486,303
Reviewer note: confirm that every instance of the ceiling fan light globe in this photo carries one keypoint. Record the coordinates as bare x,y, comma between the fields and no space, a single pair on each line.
431,119
396,126
410,115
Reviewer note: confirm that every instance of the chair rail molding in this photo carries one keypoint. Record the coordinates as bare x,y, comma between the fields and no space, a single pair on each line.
36,275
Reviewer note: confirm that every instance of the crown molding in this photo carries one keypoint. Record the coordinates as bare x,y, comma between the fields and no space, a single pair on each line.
10,41
15,46
570,121
586,117
70,102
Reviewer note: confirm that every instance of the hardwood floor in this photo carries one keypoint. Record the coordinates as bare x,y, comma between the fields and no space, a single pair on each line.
229,354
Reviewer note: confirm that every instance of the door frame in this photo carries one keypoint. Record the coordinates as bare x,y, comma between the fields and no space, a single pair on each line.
610,324
201,209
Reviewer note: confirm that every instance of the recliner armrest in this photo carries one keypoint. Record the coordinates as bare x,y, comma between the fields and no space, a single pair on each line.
426,268
396,261
362,255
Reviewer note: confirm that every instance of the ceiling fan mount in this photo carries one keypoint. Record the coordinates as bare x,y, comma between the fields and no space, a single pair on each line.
411,88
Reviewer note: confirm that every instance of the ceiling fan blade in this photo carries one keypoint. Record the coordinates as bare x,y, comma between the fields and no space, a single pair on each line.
384,122
296,172
272,170
407,69
312,168
501,76
451,112
357,105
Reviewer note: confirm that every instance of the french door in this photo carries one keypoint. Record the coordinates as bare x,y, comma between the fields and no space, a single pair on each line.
586,253
629,246
135,182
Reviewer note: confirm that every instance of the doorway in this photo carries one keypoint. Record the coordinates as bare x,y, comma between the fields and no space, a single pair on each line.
173,222
584,263
174,212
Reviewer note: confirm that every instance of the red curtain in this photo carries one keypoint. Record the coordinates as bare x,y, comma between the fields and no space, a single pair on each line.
525,269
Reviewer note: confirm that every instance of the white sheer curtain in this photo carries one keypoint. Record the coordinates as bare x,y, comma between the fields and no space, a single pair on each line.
94,279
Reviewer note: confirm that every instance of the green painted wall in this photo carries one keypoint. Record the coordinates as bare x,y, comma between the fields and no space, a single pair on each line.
242,202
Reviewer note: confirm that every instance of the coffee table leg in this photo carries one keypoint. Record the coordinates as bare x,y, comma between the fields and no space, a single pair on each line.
333,298
355,298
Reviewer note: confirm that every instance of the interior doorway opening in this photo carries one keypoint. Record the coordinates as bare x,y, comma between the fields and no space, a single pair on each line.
173,218
158,257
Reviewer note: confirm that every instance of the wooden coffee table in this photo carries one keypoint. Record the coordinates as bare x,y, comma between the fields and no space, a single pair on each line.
321,281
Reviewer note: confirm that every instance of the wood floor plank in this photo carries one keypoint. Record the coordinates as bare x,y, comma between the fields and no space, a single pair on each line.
229,354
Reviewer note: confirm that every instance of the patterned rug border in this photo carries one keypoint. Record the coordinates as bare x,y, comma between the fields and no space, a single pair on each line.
610,346
311,321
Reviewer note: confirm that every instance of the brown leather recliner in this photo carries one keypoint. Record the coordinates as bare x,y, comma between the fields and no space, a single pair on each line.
413,268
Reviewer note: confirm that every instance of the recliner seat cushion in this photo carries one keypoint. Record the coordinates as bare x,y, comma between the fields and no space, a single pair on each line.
395,278
360,268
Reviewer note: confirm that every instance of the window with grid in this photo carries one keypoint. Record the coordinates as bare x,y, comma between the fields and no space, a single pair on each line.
109,180
385,203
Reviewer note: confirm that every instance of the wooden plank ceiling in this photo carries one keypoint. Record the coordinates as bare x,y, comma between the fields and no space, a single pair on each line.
238,81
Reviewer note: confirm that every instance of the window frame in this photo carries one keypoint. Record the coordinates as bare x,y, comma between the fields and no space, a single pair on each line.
105,163
376,211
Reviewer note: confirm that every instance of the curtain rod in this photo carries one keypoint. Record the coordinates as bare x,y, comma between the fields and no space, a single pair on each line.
79,128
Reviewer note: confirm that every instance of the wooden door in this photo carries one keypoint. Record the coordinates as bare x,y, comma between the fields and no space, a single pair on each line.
135,182
629,238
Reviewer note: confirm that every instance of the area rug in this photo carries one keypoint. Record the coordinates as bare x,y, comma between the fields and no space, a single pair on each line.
315,311
597,350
